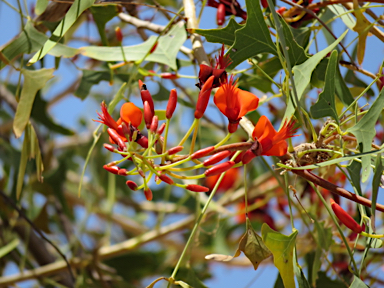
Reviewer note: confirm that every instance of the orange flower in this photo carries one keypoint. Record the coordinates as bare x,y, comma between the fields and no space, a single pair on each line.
272,142
129,113
227,183
234,103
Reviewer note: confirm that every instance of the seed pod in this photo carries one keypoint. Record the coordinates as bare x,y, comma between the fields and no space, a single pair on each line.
345,218
154,124
220,14
161,129
218,169
166,179
202,152
203,99
175,150
132,185
109,147
167,75
112,169
148,194
146,96
119,34
148,115
196,188
171,106
247,157
216,158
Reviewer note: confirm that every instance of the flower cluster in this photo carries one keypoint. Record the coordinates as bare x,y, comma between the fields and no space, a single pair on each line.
152,158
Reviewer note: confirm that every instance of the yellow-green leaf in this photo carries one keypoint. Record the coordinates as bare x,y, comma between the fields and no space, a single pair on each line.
282,248
34,80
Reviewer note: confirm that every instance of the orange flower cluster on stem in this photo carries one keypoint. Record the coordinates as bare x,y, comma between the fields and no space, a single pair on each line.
153,159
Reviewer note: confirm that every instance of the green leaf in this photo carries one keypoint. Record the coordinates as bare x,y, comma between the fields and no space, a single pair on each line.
354,170
254,38
302,74
40,7
34,80
9,247
250,244
166,51
102,14
301,280
365,131
376,181
325,105
282,248
296,53
358,283
224,35
77,8
324,281
301,35
342,90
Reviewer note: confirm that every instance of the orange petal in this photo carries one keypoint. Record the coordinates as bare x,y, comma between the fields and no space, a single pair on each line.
263,129
278,149
129,113
248,102
220,99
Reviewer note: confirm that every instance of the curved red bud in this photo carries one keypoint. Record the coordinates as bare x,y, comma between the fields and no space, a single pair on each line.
216,158
161,129
218,169
264,3
148,194
171,106
109,147
116,138
143,142
112,169
202,152
153,48
132,185
175,150
148,115
146,96
122,172
166,179
196,188
204,95
154,124
167,75
119,34
247,157
220,14
345,218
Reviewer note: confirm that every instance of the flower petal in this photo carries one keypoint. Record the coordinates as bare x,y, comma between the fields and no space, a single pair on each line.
248,102
278,149
130,113
263,129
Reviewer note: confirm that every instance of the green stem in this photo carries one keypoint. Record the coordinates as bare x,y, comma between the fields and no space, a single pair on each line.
188,133
226,138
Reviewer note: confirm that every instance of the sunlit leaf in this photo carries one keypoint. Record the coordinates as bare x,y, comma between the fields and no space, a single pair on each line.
282,248
166,51
254,38
302,74
362,28
325,105
340,10
34,80
4,250
224,35
365,131
358,283
77,8
40,7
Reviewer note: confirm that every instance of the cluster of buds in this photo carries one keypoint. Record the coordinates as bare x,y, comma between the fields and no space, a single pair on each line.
154,159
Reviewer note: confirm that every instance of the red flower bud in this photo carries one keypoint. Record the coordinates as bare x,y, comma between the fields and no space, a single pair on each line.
146,96
132,185
218,169
148,115
202,101
167,75
175,150
345,218
171,104
166,179
119,34
161,129
122,172
154,124
281,10
143,142
112,169
264,3
202,152
159,146
220,14
116,138
196,188
216,158
148,194
109,147
247,157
